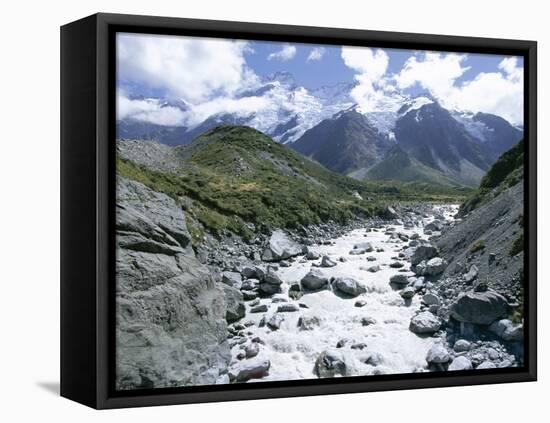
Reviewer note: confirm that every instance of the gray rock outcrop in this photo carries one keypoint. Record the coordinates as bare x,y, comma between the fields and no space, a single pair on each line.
280,247
170,313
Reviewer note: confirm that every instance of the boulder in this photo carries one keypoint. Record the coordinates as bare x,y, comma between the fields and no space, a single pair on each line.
168,305
481,308
330,363
280,247
435,225
365,246
460,363
438,354
312,255
407,293
373,269
349,287
399,279
260,308
424,323
314,281
306,322
274,323
435,266
396,264
252,350
326,261
507,330
389,213
249,369
232,279
471,274
271,283
487,365
288,308
234,302
423,252
461,346
431,299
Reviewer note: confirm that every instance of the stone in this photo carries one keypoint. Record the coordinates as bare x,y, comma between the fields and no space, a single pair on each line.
481,308
471,274
249,295
438,354
507,330
431,299
374,359
396,264
326,261
357,252
272,278
435,225
461,346
365,246
407,293
280,247
312,255
306,322
371,258
423,252
288,308
373,269
389,213
274,323
360,303
234,302
487,365
349,287
330,363
399,279
460,363
250,284
424,323
261,308
249,272
168,304
232,279
314,281
367,321
252,350
249,369
435,266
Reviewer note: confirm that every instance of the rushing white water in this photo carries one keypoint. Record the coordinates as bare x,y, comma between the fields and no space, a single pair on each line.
292,352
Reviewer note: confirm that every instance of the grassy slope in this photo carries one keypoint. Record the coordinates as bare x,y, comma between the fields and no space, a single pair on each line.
505,172
236,175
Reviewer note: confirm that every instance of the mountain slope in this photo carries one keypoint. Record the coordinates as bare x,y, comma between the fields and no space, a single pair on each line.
344,143
400,166
432,136
237,178
506,172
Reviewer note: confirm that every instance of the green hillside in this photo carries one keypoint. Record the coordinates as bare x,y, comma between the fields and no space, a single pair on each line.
505,172
235,176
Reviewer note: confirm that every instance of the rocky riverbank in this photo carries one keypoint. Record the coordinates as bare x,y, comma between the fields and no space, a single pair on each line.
376,296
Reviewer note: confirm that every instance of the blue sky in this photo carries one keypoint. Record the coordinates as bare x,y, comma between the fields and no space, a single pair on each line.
208,74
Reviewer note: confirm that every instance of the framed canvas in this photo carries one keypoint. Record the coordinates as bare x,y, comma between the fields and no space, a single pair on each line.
256,211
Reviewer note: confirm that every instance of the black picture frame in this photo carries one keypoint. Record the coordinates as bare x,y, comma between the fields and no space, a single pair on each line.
87,209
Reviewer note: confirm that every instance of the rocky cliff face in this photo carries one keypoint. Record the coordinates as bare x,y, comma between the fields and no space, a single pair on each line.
170,315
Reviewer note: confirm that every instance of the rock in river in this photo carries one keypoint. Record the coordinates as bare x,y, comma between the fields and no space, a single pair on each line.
249,369
330,363
314,280
423,252
326,261
425,323
507,330
280,247
348,287
438,354
481,308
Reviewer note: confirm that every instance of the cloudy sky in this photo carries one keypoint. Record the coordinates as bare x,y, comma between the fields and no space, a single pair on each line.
211,74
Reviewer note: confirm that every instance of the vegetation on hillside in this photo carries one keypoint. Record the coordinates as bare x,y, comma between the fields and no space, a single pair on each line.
505,173
239,179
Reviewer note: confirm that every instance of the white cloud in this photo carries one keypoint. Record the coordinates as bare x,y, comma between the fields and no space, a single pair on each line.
241,107
194,69
373,91
499,92
287,52
149,110
316,54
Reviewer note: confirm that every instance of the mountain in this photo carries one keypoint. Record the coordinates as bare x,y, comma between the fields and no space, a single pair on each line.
400,166
345,143
289,110
239,179
432,136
